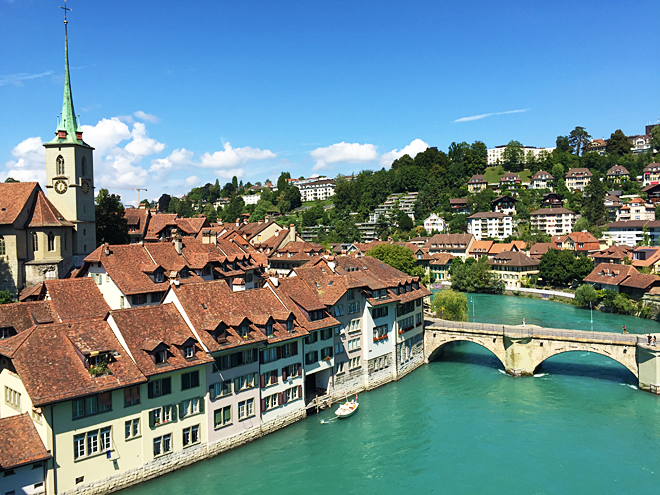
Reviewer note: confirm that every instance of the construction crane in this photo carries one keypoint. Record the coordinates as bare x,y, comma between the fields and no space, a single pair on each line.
138,189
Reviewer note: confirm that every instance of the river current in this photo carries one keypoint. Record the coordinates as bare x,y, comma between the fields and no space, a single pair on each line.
461,425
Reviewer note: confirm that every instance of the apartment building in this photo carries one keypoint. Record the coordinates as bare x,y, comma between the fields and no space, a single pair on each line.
492,224
651,174
632,232
496,155
312,190
513,268
454,244
541,180
434,222
552,221
577,178
476,184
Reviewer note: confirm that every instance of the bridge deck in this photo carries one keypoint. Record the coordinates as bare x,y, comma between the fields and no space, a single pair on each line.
536,332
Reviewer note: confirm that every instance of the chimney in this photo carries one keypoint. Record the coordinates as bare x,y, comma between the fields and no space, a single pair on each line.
238,222
106,249
178,245
292,232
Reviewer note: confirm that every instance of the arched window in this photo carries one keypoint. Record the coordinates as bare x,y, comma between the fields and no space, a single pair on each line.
3,250
35,242
60,165
51,241
83,164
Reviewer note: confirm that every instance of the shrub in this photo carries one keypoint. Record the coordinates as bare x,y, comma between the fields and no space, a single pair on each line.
586,294
450,305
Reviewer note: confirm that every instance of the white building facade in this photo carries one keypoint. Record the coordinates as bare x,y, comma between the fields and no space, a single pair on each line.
492,224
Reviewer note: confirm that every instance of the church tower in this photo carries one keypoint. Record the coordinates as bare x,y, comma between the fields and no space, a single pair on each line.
70,171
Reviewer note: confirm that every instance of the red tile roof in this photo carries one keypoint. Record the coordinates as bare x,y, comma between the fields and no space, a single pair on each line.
610,274
46,215
13,198
20,442
76,298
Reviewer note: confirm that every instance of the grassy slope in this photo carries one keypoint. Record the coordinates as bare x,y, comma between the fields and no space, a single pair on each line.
493,174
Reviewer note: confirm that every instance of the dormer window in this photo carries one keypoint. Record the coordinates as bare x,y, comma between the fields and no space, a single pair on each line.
160,357
189,351
244,329
269,329
159,277
6,332
289,325
184,273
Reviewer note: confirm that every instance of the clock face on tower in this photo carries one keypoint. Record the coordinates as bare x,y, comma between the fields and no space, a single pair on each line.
60,186
85,186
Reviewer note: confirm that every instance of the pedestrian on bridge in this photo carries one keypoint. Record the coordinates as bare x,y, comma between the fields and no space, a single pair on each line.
654,341
624,329
650,338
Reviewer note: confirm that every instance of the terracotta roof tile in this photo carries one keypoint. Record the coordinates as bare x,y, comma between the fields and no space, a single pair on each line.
20,441
641,281
610,274
46,215
13,197
22,316
76,298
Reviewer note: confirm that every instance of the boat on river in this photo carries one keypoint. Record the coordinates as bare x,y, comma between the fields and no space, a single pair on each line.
347,409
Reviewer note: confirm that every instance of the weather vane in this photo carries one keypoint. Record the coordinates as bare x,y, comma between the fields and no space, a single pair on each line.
65,8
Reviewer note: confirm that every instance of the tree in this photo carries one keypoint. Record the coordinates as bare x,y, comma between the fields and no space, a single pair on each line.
474,276
164,203
111,225
563,144
562,267
586,294
655,139
482,201
594,201
8,180
450,305
458,224
513,157
657,212
6,297
395,255
618,144
233,210
403,221
579,140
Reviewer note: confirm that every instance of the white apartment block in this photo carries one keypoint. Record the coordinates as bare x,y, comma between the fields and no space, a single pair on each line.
319,189
631,232
251,199
651,174
496,154
541,180
492,224
553,221
578,178
434,223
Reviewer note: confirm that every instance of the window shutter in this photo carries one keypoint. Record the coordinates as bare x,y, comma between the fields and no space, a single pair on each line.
255,379
255,354
185,381
261,357
299,390
174,410
299,370
152,420
150,390
201,404
284,375
294,348
181,410
212,392
237,385
280,398
273,376
278,351
167,385
262,381
263,405
194,379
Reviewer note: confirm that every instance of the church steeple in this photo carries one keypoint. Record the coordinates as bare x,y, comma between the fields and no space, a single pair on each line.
68,130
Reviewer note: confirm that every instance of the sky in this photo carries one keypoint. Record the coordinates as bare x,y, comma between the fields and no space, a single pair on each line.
173,95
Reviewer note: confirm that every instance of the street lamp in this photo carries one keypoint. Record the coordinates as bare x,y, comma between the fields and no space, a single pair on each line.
592,316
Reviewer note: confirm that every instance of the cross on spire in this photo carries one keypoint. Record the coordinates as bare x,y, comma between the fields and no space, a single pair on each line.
65,8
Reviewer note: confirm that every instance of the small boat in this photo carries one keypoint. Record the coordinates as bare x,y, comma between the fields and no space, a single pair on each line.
347,409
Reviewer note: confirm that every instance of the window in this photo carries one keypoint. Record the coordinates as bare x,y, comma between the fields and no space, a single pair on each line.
189,351
311,338
121,302
139,299
162,445
191,406
311,357
326,353
326,333
269,402
35,242
157,388
12,398
190,380
92,442
354,344
51,241
244,329
353,307
339,310
354,325
379,312
91,405
268,378
246,409
160,357
350,295
418,302
220,389
3,249
339,348
354,363
60,165
131,396
159,277
162,415
132,428
222,417
339,367
245,382
289,325
190,435
269,355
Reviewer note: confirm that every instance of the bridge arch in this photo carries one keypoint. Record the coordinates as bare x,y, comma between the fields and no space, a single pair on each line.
628,362
434,345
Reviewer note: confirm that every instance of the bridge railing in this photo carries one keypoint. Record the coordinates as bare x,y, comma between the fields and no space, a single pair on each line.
520,331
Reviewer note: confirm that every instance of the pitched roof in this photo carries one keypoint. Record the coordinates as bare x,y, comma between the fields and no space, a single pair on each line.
552,211
632,224
137,218
448,241
145,328
21,443
513,258
538,175
253,228
481,247
489,214
618,170
192,226
613,252
539,249
45,214
76,298
13,197
509,176
477,179
158,222
641,281
610,273
22,316
581,171
48,360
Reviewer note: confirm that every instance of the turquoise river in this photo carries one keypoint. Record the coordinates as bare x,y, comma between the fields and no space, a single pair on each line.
461,425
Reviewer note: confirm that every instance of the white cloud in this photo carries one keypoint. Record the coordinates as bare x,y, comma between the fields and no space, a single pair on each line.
227,162
29,165
141,145
192,180
105,135
17,79
416,146
484,115
146,116
343,153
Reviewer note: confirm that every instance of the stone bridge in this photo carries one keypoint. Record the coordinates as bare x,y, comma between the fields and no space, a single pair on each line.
522,349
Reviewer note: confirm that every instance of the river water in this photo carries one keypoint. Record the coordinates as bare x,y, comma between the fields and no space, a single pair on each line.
461,425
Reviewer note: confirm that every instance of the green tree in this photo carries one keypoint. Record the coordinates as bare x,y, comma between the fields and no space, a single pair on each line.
593,202
111,225
395,255
474,276
403,221
482,201
513,157
579,140
233,210
164,203
586,294
210,213
563,144
6,297
8,180
450,305
618,144
458,223
655,139
562,267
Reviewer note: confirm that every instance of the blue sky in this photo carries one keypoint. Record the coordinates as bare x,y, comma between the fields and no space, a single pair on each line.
176,94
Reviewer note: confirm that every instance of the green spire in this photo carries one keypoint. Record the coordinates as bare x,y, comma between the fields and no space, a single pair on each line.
67,122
